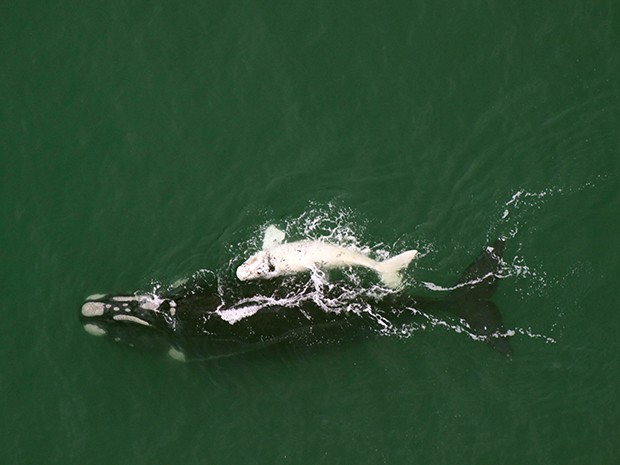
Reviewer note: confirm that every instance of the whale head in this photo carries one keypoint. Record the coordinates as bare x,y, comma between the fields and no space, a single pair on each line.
146,310
140,321
258,266
170,327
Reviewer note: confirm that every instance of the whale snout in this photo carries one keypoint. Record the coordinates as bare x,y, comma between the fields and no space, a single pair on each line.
102,311
254,267
90,309
243,274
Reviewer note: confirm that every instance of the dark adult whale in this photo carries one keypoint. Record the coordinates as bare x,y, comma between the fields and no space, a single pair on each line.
206,323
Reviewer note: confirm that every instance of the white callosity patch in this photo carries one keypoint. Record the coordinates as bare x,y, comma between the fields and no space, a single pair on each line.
94,329
91,309
134,319
125,298
176,354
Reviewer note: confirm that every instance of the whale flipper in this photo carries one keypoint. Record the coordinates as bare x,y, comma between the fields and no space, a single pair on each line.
273,237
485,321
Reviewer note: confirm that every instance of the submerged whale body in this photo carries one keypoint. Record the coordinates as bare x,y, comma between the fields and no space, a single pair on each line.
204,324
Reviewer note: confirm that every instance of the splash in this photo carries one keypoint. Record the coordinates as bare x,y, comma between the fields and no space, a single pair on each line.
513,220
352,292
523,202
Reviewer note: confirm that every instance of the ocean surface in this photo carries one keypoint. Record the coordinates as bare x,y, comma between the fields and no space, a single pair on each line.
143,143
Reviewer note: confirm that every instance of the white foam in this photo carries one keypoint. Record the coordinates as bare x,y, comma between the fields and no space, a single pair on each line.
233,315
473,282
150,301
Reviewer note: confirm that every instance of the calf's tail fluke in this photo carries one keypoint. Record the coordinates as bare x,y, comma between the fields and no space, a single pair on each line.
389,270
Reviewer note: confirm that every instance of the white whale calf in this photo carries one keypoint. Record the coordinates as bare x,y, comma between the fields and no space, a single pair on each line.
278,258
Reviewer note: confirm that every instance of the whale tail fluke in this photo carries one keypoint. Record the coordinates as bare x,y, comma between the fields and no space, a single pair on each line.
470,298
389,270
479,281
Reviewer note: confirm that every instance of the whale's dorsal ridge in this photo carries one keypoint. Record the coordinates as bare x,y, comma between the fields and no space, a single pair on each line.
273,237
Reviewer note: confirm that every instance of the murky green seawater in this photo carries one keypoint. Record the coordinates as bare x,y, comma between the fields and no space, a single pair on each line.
143,141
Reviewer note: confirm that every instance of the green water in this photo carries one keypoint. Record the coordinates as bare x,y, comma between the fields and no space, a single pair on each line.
143,141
